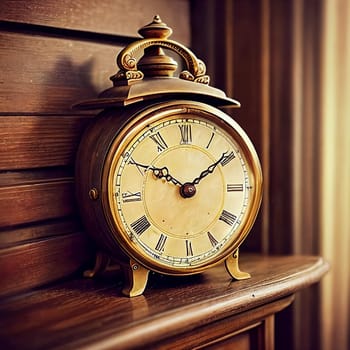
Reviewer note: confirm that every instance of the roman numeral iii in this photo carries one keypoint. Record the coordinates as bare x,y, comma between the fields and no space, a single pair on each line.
234,187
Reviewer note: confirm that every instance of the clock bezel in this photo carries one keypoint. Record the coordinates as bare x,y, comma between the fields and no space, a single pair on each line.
153,114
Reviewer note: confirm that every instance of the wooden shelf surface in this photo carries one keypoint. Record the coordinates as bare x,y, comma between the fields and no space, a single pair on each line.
92,313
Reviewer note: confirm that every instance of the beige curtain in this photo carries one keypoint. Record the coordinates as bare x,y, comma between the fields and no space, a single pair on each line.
335,174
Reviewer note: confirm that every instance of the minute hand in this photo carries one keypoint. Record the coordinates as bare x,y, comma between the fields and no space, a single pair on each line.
209,170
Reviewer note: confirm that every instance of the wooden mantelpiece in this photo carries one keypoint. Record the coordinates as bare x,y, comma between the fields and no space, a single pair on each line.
175,312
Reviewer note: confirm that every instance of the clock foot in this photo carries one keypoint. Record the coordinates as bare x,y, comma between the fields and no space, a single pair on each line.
102,261
232,267
136,277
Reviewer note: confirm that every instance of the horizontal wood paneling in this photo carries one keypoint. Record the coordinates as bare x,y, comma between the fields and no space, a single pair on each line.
14,178
54,54
33,142
107,16
34,232
33,264
26,203
49,75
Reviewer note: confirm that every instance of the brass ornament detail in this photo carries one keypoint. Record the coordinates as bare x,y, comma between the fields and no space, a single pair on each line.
155,37
93,194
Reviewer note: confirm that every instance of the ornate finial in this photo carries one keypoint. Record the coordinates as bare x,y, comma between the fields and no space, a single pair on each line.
156,29
154,62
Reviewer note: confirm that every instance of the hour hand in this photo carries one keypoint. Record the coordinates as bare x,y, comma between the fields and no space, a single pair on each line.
159,173
164,173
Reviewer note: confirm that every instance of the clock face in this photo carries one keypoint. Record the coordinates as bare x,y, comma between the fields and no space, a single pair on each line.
184,188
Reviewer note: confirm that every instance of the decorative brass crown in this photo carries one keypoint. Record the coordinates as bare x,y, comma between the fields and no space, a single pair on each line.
155,63
151,76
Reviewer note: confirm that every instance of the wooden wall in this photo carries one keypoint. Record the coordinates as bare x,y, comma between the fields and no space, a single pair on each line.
52,55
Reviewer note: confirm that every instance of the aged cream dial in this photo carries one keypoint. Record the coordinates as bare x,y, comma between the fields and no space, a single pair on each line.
182,188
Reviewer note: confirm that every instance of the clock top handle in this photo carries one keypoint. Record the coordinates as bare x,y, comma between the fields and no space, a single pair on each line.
154,62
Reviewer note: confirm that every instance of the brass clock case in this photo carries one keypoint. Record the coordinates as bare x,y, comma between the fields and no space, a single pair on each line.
165,180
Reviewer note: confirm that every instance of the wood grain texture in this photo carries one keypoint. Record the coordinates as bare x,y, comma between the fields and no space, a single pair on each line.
245,329
26,203
93,314
108,16
49,75
28,142
54,54
34,264
37,231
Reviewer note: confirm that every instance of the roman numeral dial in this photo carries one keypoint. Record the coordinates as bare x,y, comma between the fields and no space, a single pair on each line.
182,190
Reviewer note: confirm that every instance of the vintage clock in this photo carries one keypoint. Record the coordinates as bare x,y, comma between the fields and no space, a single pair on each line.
166,181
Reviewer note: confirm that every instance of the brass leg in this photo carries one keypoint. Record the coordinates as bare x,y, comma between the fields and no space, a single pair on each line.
136,277
232,267
101,263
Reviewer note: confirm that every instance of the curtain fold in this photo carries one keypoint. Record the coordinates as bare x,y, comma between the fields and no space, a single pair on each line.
335,174
288,63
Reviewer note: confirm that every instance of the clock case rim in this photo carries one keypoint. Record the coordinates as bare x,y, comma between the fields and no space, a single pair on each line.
112,124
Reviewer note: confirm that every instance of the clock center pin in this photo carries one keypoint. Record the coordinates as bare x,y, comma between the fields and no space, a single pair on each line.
187,190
